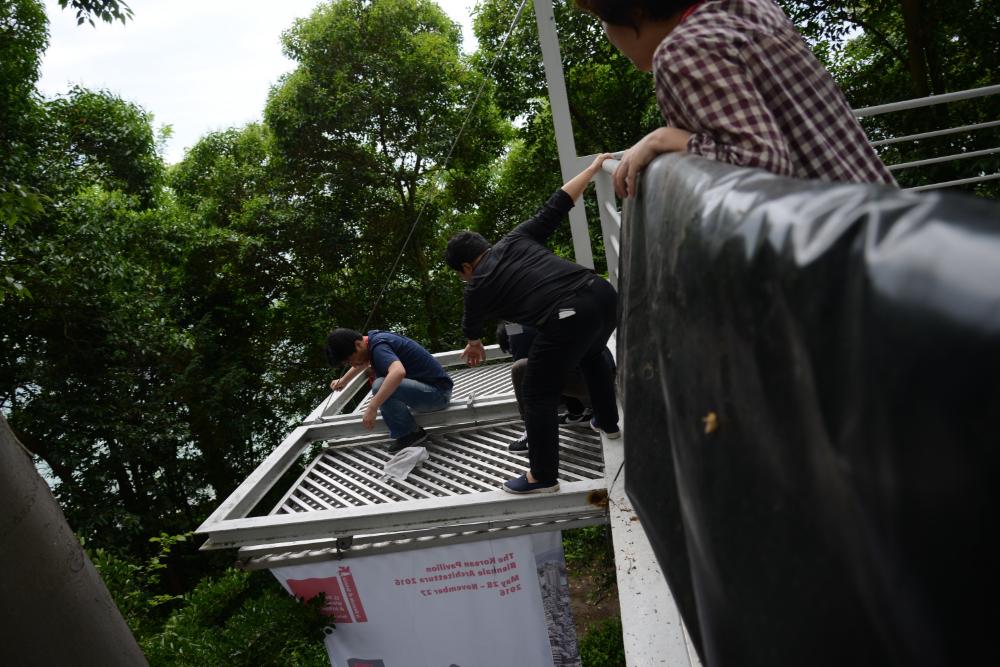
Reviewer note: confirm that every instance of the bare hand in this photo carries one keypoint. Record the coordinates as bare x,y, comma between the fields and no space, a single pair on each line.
338,384
635,159
595,166
368,418
474,353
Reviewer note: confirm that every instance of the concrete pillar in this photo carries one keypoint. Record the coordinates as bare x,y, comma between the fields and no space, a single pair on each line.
54,608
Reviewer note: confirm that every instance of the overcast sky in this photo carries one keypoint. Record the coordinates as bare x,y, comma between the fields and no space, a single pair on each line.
197,65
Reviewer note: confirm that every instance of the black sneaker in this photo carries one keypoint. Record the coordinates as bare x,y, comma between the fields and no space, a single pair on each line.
519,445
570,418
611,435
410,440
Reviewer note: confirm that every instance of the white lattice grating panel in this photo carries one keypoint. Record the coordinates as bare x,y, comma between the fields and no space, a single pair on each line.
460,462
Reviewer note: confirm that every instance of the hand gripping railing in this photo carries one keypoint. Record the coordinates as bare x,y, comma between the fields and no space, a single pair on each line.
611,217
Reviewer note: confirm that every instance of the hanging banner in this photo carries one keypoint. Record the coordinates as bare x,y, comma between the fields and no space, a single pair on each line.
481,604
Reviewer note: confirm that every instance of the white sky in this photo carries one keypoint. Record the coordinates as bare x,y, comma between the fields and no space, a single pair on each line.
197,65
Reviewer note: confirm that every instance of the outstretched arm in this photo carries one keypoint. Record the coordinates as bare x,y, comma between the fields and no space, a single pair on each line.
576,185
548,218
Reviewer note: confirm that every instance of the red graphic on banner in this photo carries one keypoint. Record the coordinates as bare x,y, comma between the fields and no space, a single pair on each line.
334,603
353,598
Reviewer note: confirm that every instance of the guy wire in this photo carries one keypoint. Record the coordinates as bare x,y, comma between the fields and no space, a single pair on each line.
444,166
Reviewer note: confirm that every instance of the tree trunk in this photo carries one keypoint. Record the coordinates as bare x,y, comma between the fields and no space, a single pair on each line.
56,610
916,45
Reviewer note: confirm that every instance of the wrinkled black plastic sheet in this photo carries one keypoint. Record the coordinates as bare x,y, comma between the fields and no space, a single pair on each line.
811,387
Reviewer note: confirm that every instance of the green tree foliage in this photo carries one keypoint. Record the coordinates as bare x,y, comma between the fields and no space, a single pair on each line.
887,50
234,618
87,355
99,138
239,619
590,550
108,11
236,386
612,105
363,127
602,645
23,38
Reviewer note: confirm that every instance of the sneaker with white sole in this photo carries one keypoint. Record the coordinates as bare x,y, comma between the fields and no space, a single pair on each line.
612,435
521,486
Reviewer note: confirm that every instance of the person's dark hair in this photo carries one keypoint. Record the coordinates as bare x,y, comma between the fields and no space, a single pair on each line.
632,12
464,247
340,345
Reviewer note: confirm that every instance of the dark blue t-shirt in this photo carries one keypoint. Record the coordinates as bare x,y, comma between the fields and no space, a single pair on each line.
386,347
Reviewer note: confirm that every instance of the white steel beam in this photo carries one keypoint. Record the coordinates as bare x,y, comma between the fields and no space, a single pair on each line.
574,498
565,144
253,558
611,226
260,481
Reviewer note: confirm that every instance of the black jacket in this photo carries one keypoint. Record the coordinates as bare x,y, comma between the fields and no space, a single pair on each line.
519,279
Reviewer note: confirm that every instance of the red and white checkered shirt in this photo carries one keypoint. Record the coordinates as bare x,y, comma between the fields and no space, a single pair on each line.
739,77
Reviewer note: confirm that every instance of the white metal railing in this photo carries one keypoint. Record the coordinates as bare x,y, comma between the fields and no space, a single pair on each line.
611,217
923,102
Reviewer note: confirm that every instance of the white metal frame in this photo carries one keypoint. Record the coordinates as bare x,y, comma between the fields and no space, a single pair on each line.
441,519
923,102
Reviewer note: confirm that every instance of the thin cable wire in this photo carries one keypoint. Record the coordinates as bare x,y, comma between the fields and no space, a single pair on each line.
444,165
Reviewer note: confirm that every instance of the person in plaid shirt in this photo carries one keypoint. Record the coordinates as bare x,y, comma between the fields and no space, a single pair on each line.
736,83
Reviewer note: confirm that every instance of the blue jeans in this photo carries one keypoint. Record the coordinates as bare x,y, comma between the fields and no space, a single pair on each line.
409,395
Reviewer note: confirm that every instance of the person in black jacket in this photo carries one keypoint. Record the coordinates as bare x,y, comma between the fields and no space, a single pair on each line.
574,310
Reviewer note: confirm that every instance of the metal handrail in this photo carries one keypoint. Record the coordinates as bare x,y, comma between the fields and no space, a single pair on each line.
935,133
944,158
961,181
920,102
932,100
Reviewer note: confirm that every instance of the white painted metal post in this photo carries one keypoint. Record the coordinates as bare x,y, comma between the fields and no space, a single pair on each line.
568,162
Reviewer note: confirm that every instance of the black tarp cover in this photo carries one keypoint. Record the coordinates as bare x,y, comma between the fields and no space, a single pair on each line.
810,376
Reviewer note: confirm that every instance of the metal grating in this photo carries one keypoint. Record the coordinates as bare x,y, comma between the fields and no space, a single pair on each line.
461,461
480,382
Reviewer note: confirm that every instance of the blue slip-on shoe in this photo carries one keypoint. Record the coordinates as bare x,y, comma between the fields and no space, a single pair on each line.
521,485
520,445
612,435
